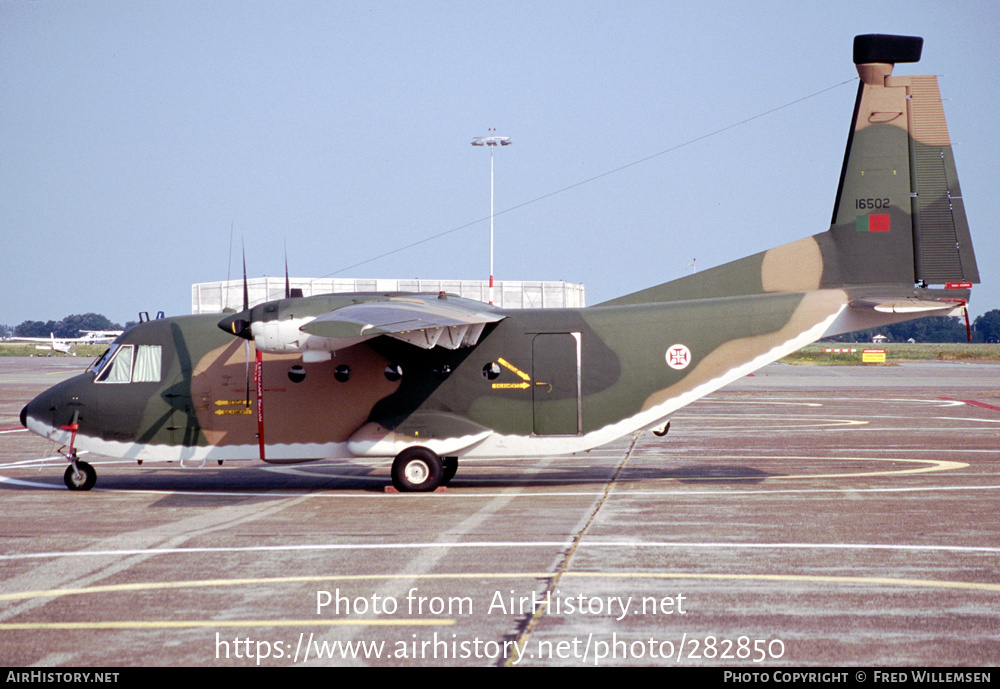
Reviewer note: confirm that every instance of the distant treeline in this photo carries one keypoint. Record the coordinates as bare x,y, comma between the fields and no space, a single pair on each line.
985,328
70,326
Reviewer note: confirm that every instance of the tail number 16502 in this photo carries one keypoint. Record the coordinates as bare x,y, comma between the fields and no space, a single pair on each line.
867,204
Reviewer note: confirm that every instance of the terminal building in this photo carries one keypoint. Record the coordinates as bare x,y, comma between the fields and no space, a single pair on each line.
214,297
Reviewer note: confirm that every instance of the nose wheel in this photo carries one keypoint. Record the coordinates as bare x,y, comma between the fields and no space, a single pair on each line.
80,476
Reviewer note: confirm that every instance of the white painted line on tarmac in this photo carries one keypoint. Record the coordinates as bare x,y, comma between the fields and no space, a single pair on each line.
961,418
505,545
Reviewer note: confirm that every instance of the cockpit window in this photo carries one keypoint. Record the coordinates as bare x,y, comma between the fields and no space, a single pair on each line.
120,368
103,359
147,364
130,364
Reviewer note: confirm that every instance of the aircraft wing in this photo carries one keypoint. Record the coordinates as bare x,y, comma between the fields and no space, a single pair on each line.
425,322
99,336
51,343
27,339
89,337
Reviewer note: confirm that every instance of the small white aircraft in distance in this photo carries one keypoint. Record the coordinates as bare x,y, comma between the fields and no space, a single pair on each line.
98,336
63,344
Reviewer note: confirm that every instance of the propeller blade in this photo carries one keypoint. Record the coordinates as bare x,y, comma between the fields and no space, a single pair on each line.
246,288
239,324
246,356
288,285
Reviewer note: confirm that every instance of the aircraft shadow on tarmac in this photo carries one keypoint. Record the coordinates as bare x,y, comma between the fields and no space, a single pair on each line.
212,486
716,473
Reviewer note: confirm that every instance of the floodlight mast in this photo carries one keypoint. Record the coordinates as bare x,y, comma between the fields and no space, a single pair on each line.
491,142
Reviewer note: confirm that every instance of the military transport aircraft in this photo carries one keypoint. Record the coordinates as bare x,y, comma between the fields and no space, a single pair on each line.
425,379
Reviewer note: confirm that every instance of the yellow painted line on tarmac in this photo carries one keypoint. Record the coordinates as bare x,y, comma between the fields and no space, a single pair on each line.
935,465
931,465
808,578
423,622
148,586
206,583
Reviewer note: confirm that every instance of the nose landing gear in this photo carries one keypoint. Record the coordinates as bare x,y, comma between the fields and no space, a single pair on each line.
79,475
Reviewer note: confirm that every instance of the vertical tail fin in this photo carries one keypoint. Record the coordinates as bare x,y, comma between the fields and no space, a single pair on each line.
898,180
898,219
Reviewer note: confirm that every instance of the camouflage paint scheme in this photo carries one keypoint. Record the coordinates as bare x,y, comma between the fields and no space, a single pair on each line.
540,382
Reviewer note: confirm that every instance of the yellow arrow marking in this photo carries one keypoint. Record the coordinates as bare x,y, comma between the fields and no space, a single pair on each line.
520,373
244,404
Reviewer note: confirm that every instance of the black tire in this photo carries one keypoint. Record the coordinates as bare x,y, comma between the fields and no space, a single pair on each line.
417,470
450,465
83,478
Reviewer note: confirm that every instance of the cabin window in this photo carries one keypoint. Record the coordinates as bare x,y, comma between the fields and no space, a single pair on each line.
131,364
342,373
297,374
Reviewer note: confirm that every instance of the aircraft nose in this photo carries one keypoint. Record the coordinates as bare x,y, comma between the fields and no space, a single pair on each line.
51,409
37,411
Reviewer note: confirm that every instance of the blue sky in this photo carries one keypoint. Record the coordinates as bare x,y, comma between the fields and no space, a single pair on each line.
135,135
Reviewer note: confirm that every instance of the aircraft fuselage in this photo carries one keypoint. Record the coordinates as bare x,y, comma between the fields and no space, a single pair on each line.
538,382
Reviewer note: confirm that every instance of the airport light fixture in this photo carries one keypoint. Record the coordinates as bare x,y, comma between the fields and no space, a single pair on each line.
491,141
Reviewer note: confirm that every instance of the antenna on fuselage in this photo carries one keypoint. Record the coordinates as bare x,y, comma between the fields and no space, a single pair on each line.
289,292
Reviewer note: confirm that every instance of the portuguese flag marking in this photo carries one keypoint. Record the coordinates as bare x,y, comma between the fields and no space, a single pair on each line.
872,223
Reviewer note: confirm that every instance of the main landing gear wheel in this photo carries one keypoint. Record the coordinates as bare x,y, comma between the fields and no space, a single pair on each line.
82,476
417,469
450,465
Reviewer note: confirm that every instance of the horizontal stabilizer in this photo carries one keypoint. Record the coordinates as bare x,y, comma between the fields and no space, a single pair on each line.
924,306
